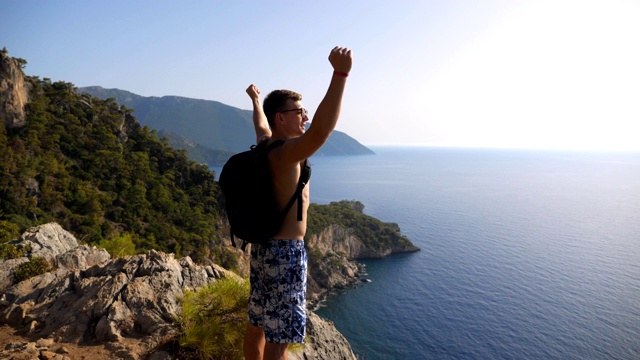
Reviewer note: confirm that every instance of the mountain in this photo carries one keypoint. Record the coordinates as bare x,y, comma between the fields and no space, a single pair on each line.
211,124
196,152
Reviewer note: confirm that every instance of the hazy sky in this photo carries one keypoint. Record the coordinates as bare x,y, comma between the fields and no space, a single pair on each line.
534,74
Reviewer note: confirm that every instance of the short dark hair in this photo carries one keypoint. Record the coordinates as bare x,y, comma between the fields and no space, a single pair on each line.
275,102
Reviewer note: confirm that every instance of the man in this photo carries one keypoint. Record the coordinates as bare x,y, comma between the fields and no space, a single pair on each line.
277,306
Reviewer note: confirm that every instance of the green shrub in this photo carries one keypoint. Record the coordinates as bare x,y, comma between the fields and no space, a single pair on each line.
213,319
119,246
35,266
11,252
8,231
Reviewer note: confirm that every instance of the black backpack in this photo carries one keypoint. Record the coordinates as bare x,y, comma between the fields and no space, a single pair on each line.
252,210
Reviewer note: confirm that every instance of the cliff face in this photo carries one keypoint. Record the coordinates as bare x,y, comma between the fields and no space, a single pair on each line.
332,264
129,304
13,91
337,239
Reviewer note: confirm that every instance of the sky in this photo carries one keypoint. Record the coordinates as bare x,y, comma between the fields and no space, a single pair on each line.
540,74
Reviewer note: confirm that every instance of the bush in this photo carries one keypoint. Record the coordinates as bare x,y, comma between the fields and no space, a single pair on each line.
35,266
213,319
8,231
119,246
13,252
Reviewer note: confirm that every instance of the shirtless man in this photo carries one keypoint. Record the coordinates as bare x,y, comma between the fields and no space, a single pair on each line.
277,305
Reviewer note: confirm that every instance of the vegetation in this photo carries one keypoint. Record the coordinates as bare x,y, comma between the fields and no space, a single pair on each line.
375,234
35,266
8,251
120,246
8,231
213,319
87,164
196,152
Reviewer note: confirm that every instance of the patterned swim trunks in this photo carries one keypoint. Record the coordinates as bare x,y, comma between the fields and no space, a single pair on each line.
278,285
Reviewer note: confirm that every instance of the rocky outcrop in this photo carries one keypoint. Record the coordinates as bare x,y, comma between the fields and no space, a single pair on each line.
129,304
56,245
333,265
339,240
13,91
323,343
7,268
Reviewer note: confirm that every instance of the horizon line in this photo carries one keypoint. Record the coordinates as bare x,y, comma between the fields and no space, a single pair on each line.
502,147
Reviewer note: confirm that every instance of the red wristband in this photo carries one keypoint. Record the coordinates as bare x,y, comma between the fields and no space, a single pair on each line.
341,73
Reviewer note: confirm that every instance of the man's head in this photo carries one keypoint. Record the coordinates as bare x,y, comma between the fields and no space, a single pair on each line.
277,101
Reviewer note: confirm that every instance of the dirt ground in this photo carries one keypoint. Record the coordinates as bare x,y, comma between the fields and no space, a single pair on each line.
8,335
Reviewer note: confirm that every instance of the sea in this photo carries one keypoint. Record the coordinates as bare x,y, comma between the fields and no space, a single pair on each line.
525,254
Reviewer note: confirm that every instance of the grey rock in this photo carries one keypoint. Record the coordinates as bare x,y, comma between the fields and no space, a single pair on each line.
7,268
48,241
130,304
323,342
81,258
131,297
58,246
44,343
13,92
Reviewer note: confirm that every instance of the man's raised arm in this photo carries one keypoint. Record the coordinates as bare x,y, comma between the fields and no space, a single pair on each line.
259,119
326,116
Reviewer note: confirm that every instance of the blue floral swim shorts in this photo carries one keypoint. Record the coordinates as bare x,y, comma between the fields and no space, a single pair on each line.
278,285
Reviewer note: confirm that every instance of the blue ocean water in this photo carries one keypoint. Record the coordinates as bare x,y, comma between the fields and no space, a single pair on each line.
525,254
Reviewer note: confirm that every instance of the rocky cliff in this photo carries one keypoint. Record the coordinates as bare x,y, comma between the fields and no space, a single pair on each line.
333,260
13,91
337,239
128,304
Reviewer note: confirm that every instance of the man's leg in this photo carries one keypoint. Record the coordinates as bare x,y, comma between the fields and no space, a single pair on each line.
275,351
254,342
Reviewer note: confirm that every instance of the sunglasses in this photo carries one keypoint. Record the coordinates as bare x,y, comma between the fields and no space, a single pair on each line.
301,111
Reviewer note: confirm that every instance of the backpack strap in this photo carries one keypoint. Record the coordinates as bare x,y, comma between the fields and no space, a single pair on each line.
305,175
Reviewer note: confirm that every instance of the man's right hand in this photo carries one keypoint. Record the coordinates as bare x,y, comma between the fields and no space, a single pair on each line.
253,91
341,59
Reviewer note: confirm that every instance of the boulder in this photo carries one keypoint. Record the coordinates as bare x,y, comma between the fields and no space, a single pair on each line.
56,245
48,241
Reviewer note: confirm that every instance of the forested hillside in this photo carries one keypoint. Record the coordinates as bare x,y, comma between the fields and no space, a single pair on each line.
87,164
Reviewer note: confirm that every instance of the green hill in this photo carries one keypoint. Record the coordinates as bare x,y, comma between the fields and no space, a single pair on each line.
89,165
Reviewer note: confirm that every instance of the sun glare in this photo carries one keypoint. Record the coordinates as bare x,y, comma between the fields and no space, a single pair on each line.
551,74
